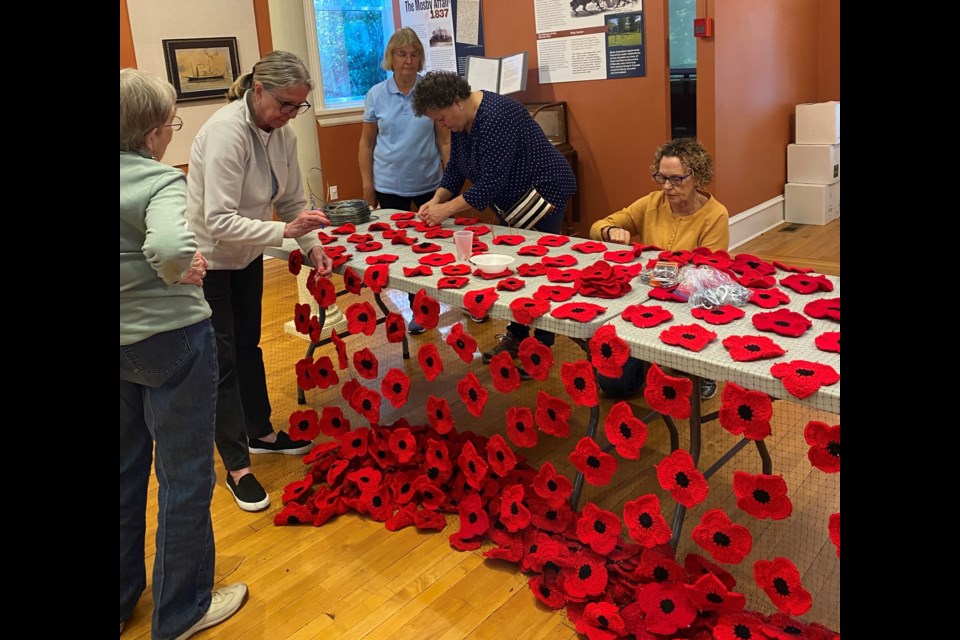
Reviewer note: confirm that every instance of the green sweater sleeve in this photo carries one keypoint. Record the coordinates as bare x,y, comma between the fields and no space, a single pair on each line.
169,246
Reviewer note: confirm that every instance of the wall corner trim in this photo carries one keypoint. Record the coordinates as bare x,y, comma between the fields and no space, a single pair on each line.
749,224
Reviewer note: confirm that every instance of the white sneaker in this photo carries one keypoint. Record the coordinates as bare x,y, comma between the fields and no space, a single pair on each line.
224,603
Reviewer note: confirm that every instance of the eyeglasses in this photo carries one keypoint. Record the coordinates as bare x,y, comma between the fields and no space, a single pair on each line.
674,180
289,107
176,124
404,55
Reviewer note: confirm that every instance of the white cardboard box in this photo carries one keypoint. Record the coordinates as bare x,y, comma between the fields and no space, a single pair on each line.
811,203
818,123
813,163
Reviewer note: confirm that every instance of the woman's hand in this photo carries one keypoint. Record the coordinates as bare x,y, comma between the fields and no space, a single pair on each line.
305,222
370,196
617,235
321,260
197,271
434,212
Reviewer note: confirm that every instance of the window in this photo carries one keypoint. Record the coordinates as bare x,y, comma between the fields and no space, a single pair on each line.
346,39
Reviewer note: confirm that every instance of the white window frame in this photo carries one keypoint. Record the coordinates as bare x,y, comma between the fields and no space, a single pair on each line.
342,115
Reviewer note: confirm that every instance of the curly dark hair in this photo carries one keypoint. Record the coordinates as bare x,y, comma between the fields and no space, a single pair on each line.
439,90
693,156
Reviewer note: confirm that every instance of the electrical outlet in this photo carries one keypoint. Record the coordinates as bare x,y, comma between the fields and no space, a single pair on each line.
333,192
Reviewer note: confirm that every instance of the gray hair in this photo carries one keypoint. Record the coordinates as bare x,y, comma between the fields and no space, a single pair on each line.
277,70
439,90
146,101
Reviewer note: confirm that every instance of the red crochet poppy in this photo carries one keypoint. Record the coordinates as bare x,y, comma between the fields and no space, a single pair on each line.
608,352
659,293
745,412
578,311
601,621
461,342
345,229
426,310
833,528
580,381
693,337
478,246
390,234
762,496
478,229
353,444
806,284
420,270
514,515
410,224
430,362
782,322
357,238
452,282
753,279
824,442
721,538
338,261
504,373
510,284
431,497
366,402
325,238
803,378
438,259
667,394
332,422
437,232
473,394
395,327
657,565
301,317
556,519
696,565
644,317
621,256
473,465
404,240
425,247
351,281
314,329
768,298
739,626
743,261
437,456
553,415
555,293
666,606
376,277
293,513
709,593
780,580
645,523
295,261
586,576
547,591
553,487
749,348
455,270
599,529
511,240
395,387
521,429
376,504
401,486
625,431
718,259
828,308
678,474
366,363
361,318
532,250
536,358
526,310
590,246
366,479
474,521
596,466
403,215
306,374
439,415
782,627
478,302
531,270
348,388
501,457
828,341
552,240
680,256
723,314
324,375
506,273
558,261
322,291
304,425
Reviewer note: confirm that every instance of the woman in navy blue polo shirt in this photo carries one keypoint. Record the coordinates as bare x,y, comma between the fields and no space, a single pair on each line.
498,146
401,154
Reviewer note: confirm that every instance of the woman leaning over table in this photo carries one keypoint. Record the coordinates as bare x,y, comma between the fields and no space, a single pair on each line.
243,166
680,216
401,155
500,148
168,377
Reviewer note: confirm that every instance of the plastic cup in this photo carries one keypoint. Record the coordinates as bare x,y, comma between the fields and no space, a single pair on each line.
463,240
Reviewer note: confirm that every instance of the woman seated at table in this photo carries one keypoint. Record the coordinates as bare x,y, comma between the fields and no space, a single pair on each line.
501,149
680,216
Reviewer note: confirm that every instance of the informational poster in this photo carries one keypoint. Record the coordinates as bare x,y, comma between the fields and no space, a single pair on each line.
450,30
590,40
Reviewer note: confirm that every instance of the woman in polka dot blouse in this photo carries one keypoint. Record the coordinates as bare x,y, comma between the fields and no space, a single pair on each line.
498,146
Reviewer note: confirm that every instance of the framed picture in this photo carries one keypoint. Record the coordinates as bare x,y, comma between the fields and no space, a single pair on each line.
552,118
201,68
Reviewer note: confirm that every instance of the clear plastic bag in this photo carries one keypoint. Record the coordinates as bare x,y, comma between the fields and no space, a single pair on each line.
708,288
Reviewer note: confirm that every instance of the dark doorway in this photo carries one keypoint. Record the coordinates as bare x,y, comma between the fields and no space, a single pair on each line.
683,69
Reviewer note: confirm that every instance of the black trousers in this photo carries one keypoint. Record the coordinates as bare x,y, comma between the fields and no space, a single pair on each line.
243,408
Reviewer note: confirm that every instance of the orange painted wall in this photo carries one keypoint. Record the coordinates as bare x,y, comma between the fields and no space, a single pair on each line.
764,58
127,56
829,51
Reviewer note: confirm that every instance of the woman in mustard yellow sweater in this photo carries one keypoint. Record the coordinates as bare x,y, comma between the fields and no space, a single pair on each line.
681,216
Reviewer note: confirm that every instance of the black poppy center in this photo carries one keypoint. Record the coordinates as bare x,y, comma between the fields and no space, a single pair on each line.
625,430
394,327
599,527
717,312
397,387
805,372
424,309
500,456
438,454
356,442
833,448
761,496
367,405
366,364
402,444
552,485
781,586
792,630
660,574
362,317
536,359
745,412
742,631
578,310
433,472
682,480
504,372
293,520
479,298
405,488
551,514
323,372
304,424
545,591
752,347
667,606
602,621
606,350
584,572
687,336
377,501
646,315
782,323
429,361
579,383
521,427
669,393
440,414
472,518
473,395
552,414
645,520
472,466
764,296
593,462
715,598
460,344
721,539
514,509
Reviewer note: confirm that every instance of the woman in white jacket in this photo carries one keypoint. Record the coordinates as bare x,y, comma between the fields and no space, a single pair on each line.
243,167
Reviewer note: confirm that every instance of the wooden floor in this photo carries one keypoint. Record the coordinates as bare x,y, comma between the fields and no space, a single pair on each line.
352,579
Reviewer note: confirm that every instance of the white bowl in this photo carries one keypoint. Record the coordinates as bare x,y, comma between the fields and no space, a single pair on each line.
492,262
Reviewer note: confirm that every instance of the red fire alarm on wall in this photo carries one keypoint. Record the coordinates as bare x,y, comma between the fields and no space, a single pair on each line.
702,27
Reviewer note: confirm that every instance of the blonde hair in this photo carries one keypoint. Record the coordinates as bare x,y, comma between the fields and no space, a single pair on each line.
277,70
405,37
146,102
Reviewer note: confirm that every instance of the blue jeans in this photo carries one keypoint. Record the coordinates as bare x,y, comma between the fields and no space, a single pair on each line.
168,395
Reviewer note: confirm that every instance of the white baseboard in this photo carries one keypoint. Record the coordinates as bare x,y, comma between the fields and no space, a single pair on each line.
755,221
